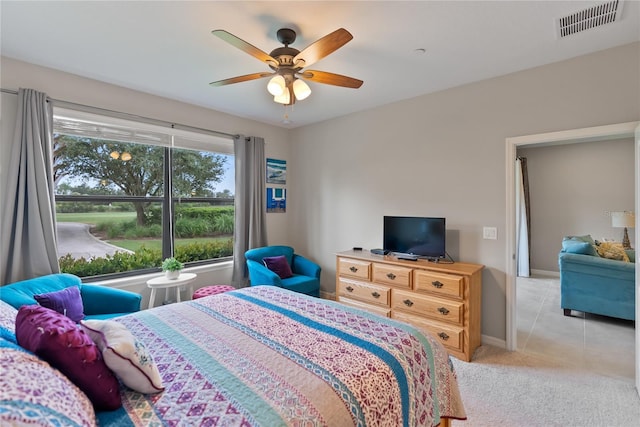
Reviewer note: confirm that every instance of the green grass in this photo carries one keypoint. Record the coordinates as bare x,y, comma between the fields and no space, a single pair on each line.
95,217
133,245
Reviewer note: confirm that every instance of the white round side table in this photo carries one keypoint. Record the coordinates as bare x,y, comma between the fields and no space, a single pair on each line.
164,283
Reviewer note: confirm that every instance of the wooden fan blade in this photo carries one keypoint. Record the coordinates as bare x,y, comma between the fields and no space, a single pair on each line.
323,47
241,79
331,79
244,46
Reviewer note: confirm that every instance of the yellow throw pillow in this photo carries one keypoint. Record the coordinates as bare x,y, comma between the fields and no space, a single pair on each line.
612,250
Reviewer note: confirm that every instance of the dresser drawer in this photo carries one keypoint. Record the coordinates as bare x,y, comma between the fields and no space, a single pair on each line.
381,311
367,292
435,308
448,285
392,275
354,268
450,336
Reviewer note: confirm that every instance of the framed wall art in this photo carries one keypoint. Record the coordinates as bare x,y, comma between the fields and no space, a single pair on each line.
276,200
276,171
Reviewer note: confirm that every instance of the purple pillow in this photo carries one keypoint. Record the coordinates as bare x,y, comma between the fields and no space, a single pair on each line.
66,301
58,340
279,265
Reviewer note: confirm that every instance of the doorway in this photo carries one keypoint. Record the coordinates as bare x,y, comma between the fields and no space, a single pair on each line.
599,133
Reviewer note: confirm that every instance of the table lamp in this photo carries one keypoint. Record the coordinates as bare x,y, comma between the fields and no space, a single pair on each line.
624,219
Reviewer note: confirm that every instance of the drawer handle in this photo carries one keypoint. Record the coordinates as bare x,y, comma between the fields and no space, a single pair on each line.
443,336
408,302
349,288
353,269
437,284
443,311
375,294
391,276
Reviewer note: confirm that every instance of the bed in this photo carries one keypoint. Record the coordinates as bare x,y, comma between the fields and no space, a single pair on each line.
266,356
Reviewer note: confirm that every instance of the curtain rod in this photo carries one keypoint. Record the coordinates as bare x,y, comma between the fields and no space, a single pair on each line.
89,108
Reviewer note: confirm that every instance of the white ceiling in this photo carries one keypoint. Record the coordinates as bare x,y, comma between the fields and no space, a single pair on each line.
166,48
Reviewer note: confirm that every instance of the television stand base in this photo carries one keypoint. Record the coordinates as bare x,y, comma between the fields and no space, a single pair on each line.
407,257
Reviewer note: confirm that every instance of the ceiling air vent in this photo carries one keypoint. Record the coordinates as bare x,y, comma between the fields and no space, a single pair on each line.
592,17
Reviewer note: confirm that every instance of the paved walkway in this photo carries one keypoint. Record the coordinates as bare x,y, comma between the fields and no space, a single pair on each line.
74,238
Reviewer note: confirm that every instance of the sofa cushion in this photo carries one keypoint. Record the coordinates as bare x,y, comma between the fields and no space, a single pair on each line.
66,301
58,340
126,356
279,265
35,394
611,250
578,245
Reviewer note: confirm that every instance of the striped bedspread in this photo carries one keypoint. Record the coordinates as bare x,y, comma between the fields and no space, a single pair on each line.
264,356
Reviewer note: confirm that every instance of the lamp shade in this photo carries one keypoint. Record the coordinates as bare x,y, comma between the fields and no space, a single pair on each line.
301,89
284,98
276,86
623,219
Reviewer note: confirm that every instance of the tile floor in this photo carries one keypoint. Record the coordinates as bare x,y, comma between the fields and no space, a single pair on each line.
598,343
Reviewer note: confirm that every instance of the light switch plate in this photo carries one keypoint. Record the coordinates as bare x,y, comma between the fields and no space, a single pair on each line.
490,233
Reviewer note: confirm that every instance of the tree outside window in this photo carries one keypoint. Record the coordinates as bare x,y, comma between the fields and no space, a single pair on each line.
117,194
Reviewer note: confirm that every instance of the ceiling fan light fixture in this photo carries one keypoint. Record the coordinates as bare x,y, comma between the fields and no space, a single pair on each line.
301,90
276,86
284,98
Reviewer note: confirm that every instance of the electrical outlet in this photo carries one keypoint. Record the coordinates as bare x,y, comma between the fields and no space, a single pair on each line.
490,233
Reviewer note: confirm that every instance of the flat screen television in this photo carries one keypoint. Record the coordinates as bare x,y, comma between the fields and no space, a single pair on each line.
415,237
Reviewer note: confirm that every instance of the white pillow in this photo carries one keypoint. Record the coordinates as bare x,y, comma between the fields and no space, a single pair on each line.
127,357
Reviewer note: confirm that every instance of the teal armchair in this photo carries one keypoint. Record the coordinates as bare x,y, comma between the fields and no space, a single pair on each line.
100,302
306,273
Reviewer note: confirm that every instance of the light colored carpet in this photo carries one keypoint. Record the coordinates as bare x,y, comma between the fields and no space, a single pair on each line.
501,388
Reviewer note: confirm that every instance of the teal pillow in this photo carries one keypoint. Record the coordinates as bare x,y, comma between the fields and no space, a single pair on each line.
631,253
575,245
586,238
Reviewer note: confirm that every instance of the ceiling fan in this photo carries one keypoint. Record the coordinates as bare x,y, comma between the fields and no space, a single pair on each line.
288,63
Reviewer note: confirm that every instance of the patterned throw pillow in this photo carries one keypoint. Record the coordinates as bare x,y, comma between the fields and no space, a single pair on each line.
58,340
66,301
612,250
35,394
127,357
279,265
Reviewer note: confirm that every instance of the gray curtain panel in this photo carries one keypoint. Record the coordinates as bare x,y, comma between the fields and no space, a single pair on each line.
28,238
250,202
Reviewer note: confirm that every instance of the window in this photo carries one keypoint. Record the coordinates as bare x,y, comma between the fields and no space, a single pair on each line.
129,194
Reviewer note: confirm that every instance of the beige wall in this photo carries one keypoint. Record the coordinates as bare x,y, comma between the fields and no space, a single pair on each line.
444,155
573,188
435,155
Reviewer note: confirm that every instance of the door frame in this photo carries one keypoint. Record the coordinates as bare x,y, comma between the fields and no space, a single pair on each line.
591,134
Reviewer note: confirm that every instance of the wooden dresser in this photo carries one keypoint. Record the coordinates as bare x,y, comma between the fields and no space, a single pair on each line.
442,299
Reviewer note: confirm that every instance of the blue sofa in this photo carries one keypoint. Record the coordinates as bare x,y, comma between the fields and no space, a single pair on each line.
306,273
100,302
592,284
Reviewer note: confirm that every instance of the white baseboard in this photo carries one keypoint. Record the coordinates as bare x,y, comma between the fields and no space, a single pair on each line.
328,295
545,273
496,342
